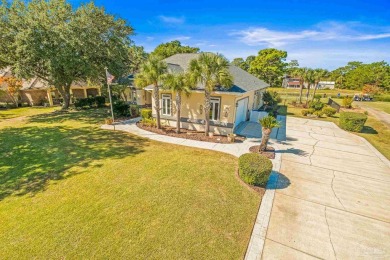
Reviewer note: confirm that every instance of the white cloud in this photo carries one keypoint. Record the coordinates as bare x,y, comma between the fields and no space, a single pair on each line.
256,36
171,19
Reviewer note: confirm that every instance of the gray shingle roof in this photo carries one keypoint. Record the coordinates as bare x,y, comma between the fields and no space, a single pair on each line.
243,81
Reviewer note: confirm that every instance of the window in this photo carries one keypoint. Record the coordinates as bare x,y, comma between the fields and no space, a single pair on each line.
166,105
215,108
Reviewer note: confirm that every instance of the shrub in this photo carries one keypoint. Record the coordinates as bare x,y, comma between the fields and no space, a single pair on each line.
305,112
352,121
347,102
100,101
316,105
146,113
121,108
254,168
329,111
318,113
149,122
311,111
82,103
134,110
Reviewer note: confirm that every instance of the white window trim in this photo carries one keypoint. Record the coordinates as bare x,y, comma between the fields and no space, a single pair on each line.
216,100
167,97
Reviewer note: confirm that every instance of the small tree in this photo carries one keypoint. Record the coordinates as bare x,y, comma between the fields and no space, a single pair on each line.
179,83
267,123
13,86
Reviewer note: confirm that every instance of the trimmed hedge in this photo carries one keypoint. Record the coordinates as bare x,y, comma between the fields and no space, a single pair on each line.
97,101
121,108
351,121
329,111
146,113
254,168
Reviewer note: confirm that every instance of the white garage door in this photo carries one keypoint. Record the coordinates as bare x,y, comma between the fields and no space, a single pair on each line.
242,107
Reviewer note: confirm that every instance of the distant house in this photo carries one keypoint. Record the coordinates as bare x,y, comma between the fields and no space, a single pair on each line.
326,85
229,107
290,82
35,92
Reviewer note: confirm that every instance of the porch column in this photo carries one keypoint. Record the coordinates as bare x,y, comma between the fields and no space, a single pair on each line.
99,91
85,93
49,97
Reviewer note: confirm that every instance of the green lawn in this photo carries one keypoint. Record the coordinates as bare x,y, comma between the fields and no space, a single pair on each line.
71,190
383,106
24,111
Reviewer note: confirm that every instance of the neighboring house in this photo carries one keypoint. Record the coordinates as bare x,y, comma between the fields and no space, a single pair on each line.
137,96
228,107
37,92
326,85
289,82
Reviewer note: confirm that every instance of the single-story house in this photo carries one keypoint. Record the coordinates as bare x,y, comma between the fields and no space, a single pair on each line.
326,85
37,92
228,107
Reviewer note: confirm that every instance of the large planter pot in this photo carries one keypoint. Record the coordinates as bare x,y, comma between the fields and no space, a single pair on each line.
231,138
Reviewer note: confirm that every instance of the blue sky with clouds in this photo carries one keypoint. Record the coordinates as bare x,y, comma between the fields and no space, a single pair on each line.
317,33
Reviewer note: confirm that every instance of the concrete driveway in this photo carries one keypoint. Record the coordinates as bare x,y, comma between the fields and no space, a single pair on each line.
332,199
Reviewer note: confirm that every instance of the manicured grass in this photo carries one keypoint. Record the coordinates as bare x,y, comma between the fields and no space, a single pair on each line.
71,190
23,111
342,92
383,106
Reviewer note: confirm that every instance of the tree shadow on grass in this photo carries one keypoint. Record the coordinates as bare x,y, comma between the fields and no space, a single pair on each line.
31,156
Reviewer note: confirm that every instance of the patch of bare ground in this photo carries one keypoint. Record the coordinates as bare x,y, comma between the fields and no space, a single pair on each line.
269,153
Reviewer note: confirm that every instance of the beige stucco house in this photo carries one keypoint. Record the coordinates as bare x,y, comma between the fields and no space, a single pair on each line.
36,92
228,107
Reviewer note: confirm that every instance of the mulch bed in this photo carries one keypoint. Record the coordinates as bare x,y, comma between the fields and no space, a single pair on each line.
269,153
190,134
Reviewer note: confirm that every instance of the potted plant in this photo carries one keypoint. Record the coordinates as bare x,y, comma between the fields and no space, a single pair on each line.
267,123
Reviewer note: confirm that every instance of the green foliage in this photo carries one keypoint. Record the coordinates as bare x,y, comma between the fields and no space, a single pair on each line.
149,122
311,111
352,121
269,65
241,63
305,112
121,108
254,169
269,122
146,113
69,44
97,101
134,111
165,50
316,105
271,98
347,102
383,97
329,111
318,113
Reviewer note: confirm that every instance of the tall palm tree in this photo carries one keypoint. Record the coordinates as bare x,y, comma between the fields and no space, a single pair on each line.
267,123
319,74
300,73
179,83
152,72
212,71
309,79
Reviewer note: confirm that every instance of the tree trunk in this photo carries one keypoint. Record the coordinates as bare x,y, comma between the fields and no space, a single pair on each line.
157,104
207,105
314,92
65,93
307,93
300,91
264,139
178,110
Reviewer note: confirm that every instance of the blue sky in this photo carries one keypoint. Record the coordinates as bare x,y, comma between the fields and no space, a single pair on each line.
317,33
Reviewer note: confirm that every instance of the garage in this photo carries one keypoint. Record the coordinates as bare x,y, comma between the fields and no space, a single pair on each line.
241,111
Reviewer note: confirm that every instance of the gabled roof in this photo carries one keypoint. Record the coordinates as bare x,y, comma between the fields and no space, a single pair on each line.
242,80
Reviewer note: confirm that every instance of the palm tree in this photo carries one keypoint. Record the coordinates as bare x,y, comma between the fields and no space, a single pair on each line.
179,83
309,79
319,74
301,74
267,123
212,71
152,72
